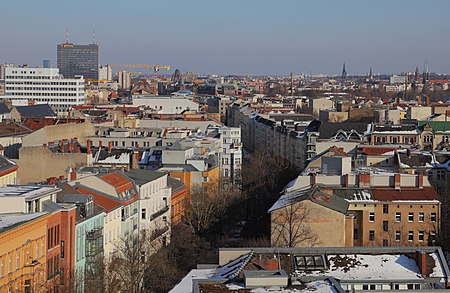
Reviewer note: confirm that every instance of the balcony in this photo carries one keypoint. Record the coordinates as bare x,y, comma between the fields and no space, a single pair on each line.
159,213
159,232
94,234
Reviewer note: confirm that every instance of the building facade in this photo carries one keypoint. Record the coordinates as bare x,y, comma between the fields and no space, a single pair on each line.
74,60
25,85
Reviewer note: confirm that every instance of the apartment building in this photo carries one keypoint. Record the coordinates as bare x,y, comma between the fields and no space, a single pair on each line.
23,252
231,155
360,210
25,85
154,204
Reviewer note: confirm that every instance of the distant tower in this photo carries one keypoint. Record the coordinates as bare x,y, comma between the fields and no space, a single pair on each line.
426,73
416,79
344,72
370,74
292,84
46,63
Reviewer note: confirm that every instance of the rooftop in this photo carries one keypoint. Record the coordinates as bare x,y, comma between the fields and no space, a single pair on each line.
9,221
27,191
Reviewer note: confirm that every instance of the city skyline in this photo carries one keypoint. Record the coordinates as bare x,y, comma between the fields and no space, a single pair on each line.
254,37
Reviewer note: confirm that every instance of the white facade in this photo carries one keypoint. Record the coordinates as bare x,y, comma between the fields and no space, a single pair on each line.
43,86
124,80
112,231
155,208
165,105
231,155
105,72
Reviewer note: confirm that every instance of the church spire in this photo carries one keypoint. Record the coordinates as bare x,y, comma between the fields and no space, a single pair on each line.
344,72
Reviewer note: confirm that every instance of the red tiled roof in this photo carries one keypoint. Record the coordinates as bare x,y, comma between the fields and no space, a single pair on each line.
392,194
119,182
339,150
105,202
376,150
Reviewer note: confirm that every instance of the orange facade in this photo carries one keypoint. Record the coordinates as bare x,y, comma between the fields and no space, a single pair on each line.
23,256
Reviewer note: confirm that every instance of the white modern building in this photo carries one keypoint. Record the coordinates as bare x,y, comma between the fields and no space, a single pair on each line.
165,104
25,85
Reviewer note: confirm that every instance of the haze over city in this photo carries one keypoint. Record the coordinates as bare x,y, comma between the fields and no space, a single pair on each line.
236,37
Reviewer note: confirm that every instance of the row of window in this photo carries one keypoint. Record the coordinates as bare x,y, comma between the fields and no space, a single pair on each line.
53,236
52,267
45,83
398,217
398,236
26,258
46,94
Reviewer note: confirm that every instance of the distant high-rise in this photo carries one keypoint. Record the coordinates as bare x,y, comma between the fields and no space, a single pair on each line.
46,63
344,72
78,60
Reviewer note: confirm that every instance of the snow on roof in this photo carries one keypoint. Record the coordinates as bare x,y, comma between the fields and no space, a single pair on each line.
370,267
321,286
185,286
27,191
124,158
437,270
233,268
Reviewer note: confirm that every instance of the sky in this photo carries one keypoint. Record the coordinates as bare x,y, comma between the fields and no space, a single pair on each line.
256,37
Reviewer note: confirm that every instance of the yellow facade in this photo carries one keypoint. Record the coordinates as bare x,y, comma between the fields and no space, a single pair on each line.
8,179
23,257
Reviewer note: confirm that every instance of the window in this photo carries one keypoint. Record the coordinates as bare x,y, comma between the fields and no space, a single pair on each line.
371,217
385,209
410,236
385,226
410,217
433,217
398,236
371,235
385,242
355,234
398,217
17,260
143,214
421,236
432,237
421,217
311,262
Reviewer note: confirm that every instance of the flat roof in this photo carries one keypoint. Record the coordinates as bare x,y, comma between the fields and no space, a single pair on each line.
27,191
9,221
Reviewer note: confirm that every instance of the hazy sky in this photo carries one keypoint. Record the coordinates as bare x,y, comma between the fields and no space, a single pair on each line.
236,36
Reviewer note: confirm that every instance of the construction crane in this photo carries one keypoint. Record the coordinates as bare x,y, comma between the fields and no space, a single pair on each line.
156,68
195,84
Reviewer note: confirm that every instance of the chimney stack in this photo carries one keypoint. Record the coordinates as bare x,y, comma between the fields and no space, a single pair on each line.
397,182
100,144
73,175
421,258
110,146
420,180
363,180
89,147
134,160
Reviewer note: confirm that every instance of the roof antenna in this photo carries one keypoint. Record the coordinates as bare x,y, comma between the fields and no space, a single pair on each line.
67,36
93,37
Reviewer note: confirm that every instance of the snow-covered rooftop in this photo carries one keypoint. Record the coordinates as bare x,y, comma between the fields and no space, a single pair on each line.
8,220
372,267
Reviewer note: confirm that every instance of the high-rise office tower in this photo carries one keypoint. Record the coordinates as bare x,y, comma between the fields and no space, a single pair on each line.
78,60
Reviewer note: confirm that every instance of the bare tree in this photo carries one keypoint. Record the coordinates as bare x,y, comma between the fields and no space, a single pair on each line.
289,227
206,205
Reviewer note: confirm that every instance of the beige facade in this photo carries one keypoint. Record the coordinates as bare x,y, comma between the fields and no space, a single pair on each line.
332,116
38,163
419,112
315,105
327,226
59,132
395,223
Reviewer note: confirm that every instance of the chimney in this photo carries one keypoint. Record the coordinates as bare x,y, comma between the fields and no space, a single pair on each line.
78,148
137,146
421,258
44,145
51,180
89,147
71,146
62,177
345,177
420,180
313,179
100,144
110,146
397,183
134,160
122,169
363,180
73,175
272,265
